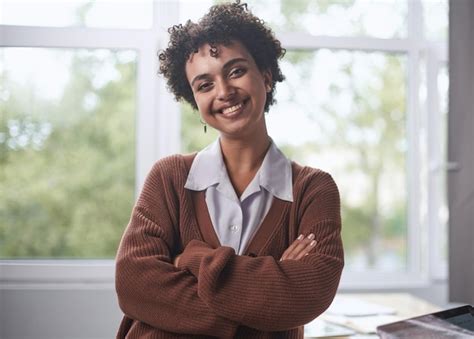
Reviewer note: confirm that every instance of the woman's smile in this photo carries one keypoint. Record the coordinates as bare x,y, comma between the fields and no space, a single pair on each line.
229,90
234,110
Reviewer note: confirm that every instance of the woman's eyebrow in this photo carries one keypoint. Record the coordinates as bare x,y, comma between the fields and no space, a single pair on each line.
231,62
227,65
199,77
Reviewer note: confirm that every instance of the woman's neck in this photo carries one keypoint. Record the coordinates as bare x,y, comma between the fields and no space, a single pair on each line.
244,155
243,158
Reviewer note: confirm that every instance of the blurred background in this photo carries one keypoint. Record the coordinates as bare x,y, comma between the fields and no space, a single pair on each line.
84,116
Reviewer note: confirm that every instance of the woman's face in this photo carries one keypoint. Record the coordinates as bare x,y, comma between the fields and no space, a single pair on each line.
230,91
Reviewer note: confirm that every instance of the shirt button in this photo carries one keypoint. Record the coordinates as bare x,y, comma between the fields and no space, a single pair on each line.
234,228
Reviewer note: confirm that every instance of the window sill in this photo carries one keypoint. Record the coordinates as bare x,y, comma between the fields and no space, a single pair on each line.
93,274
57,273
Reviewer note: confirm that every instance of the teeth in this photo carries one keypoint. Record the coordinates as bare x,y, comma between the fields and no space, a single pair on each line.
232,108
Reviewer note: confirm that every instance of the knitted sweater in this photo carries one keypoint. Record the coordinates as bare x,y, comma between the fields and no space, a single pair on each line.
214,292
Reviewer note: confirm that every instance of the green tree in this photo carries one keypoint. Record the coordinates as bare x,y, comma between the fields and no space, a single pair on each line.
369,140
68,169
377,118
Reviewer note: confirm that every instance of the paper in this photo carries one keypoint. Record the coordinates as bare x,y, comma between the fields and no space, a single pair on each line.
354,307
362,324
319,328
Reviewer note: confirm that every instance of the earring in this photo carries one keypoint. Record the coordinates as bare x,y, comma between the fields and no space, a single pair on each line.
268,88
205,125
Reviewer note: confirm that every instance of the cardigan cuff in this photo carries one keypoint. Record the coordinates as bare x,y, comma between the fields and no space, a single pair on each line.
191,257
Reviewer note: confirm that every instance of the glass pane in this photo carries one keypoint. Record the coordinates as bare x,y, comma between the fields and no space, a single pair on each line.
85,13
193,137
350,123
67,145
193,9
375,18
344,112
443,214
435,14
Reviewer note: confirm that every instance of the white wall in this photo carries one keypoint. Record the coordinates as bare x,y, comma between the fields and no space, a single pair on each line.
68,313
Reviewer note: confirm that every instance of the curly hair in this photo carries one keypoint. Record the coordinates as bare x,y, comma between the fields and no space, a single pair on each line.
221,25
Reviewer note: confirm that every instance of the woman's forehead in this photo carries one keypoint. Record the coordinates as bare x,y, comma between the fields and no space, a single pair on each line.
219,52
212,59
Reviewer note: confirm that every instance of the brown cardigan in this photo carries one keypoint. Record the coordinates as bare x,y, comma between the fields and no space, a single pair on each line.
214,292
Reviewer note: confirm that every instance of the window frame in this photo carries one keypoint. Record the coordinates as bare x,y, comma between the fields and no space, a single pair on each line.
158,135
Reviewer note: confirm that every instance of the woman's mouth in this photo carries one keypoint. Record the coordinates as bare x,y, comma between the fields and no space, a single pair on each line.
235,109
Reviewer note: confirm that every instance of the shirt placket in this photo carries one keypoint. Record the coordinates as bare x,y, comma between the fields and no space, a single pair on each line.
234,227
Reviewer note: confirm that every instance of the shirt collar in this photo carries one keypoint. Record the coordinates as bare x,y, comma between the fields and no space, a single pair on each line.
206,169
274,175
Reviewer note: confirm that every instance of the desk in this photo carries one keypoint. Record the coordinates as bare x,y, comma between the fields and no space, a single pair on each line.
405,305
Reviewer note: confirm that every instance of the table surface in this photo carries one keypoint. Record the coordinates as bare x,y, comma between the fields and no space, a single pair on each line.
406,306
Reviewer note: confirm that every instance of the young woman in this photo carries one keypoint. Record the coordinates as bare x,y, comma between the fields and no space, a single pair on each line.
236,240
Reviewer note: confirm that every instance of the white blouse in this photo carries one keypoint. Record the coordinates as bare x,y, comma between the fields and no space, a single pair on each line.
236,220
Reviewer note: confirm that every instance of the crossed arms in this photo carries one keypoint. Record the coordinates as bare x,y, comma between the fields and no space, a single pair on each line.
213,291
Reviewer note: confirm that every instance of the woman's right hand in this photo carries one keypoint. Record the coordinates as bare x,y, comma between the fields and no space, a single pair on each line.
299,248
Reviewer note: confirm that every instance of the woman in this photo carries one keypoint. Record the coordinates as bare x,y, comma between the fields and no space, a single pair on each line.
236,240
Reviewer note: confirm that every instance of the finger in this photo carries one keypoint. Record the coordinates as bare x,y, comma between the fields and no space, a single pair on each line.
306,250
290,249
176,261
298,248
304,246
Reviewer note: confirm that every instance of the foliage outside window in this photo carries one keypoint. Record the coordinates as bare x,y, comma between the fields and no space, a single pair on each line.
67,175
67,152
345,111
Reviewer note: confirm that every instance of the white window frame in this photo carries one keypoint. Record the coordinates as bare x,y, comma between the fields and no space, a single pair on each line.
158,135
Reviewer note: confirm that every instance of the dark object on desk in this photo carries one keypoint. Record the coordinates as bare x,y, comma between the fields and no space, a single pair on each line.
453,323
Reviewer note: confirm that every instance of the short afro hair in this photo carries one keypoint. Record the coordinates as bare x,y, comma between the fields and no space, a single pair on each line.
221,25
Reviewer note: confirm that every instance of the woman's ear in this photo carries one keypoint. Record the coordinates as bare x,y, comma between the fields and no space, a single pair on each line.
267,78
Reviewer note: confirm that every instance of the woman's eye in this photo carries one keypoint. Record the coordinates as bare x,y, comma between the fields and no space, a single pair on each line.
204,86
237,72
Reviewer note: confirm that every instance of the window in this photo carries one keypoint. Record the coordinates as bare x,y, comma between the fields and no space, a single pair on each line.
68,155
358,103
78,13
364,99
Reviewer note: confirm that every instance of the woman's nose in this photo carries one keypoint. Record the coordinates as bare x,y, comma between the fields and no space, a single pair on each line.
225,91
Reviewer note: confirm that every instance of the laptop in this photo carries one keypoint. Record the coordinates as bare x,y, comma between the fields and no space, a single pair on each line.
456,323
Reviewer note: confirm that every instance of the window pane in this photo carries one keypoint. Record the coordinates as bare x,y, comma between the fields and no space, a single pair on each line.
67,145
344,112
375,18
435,14
443,214
84,13
193,137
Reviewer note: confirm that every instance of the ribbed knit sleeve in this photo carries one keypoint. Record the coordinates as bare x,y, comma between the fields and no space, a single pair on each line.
149,288
264,293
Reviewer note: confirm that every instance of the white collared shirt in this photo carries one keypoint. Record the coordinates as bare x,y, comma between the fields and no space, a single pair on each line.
235,220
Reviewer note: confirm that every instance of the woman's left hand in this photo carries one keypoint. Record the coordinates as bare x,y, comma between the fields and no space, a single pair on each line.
176,260
299,248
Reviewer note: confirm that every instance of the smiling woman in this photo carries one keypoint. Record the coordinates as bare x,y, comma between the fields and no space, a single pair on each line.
229,90
364,99
237,220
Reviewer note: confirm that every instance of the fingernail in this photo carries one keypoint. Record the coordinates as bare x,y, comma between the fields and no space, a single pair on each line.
313,243
300,237
311,236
